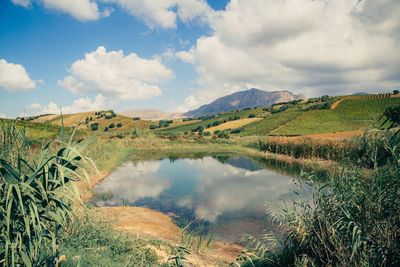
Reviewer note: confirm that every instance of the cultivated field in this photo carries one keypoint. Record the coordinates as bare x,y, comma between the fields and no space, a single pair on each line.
233,124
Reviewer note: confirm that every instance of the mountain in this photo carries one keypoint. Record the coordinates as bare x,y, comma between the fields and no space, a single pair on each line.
151,114
244,99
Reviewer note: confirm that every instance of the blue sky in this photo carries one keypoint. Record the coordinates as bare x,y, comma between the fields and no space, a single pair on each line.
179,54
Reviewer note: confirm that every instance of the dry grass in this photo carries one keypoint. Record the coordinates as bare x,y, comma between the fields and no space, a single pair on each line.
179,122
78,120
233,124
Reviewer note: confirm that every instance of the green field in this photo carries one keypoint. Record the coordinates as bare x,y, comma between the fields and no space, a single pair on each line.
265,126
188,127
350,115
39,131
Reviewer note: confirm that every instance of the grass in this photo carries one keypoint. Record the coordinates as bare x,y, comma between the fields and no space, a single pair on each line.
40,131
267,125
352,219
36,196
349,115
90,241
78,120
233,124
189,127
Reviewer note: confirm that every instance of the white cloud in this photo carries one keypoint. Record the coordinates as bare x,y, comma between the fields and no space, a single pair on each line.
79,9
154,13
3,116
311,47
163,14
14,77
125,77
80,105
24,3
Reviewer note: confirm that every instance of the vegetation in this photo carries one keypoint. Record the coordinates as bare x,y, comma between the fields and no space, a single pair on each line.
90,241
267,125
350,115
352,221
35,197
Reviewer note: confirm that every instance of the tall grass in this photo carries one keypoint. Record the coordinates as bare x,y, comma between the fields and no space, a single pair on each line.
369,150
353,219
35,197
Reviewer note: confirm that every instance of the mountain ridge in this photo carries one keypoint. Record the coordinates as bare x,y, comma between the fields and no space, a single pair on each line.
244,99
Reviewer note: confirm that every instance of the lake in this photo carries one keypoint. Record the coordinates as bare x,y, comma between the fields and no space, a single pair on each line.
226,194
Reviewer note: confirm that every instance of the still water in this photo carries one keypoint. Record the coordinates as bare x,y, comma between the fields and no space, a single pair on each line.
229,194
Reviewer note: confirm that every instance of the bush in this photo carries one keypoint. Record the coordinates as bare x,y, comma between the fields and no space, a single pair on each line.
153,127
237,130
136,118
111,126
252,116
108,117
223,134
106,129
119,125
396,92
94,126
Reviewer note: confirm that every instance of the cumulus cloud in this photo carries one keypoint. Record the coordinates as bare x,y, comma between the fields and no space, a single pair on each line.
311,47
125,77
154,13
80,105
24,3
80,9
14,77
164,14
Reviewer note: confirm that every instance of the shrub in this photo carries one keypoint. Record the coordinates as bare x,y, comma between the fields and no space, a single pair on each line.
119,125
136,118
237,130
111,126
153,127
252,116
108,117
396,92
106,129
94,126
223,134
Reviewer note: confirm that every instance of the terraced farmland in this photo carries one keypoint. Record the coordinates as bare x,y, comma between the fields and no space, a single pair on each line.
349,115
267,125
233,124
204,123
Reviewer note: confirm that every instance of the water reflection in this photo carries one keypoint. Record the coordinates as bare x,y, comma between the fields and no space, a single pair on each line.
228,192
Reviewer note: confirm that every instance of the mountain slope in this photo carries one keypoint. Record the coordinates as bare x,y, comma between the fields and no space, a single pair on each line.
151,114
244,99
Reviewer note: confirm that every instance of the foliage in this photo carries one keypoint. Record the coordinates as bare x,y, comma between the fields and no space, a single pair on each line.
90,241
350,115
352,220
94,126
35,201
369,150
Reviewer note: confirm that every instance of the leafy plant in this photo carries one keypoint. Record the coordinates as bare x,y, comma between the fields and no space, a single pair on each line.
35,201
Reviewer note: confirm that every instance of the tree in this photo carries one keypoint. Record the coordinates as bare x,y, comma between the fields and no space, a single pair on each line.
396,92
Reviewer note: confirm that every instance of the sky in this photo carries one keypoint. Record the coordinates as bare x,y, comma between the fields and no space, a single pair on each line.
176,55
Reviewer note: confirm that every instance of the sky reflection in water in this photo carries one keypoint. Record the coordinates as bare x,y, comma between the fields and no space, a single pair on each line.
229,193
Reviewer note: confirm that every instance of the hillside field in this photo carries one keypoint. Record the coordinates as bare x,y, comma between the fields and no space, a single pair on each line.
349,115
233,124
242,114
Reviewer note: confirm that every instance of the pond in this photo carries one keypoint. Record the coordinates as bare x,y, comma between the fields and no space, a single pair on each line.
227,194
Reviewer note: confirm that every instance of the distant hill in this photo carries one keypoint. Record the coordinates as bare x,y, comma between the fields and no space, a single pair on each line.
244,99
151,114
